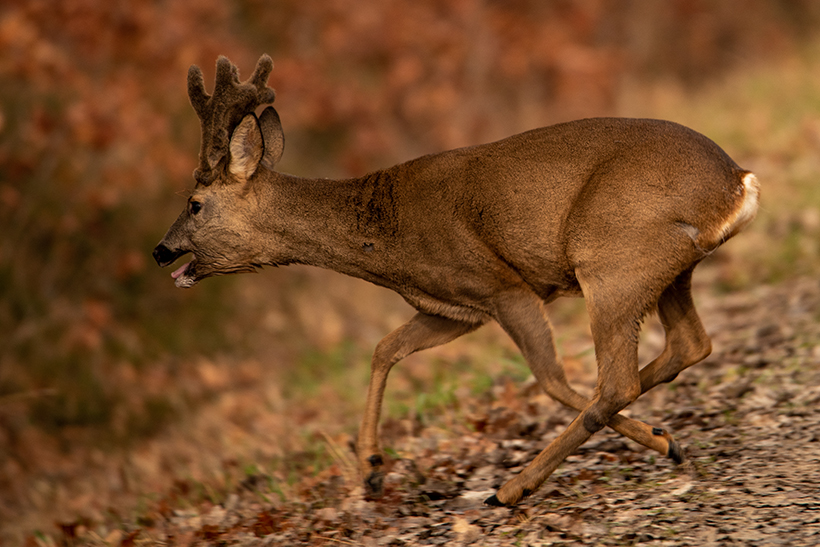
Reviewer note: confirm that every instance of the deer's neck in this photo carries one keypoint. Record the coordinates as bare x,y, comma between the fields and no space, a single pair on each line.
342,225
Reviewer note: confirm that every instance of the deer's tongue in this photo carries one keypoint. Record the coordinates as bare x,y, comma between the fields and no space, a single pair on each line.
181,270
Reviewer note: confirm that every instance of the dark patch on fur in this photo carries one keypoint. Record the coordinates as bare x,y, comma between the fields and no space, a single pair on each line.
375,205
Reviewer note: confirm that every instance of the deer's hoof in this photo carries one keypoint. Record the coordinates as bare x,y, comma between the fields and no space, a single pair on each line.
374,485
493,501
374,481
675,452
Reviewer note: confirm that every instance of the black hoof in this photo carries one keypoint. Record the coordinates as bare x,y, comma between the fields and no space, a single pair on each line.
493,501
374,485
675,452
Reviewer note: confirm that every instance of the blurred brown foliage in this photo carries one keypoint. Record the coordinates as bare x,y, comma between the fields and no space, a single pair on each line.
92,135
97,138
385,81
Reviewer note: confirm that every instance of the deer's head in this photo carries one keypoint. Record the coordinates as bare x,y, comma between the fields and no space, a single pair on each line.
236,145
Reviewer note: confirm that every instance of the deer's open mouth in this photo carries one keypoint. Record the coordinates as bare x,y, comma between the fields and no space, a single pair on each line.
181,270
185,276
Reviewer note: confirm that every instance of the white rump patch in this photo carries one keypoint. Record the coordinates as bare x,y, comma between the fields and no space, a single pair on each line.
747,211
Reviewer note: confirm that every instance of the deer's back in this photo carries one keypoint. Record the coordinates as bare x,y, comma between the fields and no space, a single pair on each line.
533,206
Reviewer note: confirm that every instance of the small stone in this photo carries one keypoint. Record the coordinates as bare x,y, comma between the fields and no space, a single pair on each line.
467,533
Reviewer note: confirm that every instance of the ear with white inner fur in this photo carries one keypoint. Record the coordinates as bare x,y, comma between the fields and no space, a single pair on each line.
246,148
274,137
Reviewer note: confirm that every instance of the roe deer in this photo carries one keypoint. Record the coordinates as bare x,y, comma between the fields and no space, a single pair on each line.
618,211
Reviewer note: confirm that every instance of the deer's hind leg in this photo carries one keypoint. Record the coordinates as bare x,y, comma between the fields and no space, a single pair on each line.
421,332
686,340
522,315
615,315
686,344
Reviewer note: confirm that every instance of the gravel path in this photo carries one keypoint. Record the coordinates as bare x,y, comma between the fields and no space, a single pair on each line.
748,418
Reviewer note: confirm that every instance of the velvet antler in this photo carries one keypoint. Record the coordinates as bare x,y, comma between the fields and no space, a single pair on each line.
220,113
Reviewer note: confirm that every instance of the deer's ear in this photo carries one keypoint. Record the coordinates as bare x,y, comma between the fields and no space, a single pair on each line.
246,148
273,136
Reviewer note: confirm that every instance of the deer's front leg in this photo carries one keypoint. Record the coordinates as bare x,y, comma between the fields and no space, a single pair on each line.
421,332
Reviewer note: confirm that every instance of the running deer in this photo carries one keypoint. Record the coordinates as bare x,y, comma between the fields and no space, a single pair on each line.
618,211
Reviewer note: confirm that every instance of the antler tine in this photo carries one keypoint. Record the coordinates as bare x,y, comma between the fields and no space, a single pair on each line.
196,90
221,112
227,73
264,66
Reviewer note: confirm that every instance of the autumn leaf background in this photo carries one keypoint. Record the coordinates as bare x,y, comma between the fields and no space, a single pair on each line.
114,384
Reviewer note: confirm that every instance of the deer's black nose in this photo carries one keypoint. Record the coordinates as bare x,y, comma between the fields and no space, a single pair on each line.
163,255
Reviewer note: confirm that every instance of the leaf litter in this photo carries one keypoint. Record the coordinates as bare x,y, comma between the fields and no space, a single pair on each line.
747,417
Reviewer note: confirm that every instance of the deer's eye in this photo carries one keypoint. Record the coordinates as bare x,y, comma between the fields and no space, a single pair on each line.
195,207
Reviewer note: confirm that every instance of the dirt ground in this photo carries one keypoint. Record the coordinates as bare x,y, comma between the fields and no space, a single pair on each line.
747,417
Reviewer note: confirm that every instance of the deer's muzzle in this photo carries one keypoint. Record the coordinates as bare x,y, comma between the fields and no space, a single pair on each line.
165,256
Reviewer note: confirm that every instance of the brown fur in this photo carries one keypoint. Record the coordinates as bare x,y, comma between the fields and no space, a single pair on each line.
619,211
